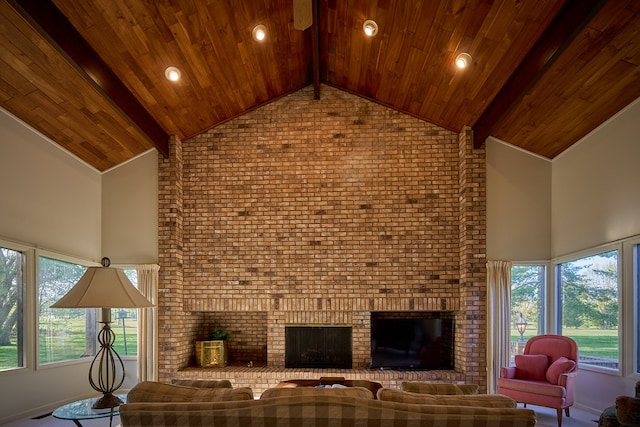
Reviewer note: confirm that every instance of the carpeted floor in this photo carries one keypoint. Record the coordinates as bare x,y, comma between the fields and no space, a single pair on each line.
547,417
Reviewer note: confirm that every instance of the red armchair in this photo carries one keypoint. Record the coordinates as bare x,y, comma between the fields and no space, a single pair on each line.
544,374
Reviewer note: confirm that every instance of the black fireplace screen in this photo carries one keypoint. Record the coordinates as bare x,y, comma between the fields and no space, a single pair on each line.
318,347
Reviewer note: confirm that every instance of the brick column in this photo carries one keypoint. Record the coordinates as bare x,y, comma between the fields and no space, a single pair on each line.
171,322
473,275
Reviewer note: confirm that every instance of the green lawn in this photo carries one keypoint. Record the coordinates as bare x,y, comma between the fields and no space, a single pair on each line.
591,342
70,344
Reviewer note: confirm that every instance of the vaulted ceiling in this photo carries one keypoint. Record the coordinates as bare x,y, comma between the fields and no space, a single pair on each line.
90,75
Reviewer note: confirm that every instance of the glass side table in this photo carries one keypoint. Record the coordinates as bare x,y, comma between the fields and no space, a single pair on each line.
82,410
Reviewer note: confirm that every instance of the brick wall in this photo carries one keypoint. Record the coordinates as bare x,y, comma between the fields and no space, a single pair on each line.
319,211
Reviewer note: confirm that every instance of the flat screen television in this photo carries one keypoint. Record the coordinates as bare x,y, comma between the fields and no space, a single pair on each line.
412,343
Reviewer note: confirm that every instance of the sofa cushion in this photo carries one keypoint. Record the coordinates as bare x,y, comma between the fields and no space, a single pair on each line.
151,391
316,391
320,411
561,366
203,383
480,400
531,366
438,388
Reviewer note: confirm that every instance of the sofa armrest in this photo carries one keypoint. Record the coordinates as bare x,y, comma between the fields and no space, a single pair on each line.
508,372
154,391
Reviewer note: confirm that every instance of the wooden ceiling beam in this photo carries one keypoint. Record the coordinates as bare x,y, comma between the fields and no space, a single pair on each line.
315,50
569,22
47,19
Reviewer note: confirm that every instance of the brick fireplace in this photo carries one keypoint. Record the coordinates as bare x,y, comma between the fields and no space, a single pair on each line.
319,212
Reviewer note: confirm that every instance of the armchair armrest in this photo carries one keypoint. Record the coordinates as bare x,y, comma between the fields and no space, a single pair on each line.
567,379
508,372
568,382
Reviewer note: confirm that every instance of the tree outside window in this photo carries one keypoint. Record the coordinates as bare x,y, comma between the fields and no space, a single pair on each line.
528,283
11,309
588,307
64,334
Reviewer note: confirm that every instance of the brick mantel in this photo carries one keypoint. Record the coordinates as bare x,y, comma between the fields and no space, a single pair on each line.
319,211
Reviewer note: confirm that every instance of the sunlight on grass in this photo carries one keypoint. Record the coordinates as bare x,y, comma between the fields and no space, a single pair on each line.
69,343
591,342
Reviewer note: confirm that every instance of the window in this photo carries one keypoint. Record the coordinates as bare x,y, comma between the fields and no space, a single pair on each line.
528,283
636,306
64,334
125,324
67,333
588,307
11,309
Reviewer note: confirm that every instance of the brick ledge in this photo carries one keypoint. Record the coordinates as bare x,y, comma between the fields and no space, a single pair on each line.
260,378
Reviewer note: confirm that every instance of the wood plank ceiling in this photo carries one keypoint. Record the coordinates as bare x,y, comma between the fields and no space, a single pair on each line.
90,75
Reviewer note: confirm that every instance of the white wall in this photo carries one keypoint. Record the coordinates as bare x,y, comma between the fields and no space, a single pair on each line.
596,200
47,197
518,204
595,191
130,211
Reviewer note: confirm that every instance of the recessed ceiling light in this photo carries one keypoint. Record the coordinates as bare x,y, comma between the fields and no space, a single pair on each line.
463,60
172,74
259,32
370,27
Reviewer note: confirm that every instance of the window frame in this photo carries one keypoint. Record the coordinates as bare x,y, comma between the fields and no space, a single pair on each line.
556,327
25,338
631,306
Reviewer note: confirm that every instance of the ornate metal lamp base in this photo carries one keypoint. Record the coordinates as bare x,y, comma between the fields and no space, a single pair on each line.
108,400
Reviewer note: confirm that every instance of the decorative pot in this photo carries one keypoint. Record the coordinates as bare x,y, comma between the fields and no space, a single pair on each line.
211,354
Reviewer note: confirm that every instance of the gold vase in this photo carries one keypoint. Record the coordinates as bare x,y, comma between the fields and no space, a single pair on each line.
211,354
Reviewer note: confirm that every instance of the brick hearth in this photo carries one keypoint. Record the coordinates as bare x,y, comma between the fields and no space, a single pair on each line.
260,378
319,212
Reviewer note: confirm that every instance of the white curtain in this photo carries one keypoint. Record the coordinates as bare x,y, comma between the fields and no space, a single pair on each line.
498,319
148,323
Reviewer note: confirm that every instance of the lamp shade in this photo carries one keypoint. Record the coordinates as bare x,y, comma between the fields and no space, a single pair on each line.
103,287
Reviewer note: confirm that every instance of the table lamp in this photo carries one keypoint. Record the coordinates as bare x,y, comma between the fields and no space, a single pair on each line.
106,288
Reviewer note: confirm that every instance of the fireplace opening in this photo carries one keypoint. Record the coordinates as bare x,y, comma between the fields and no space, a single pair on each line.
318,347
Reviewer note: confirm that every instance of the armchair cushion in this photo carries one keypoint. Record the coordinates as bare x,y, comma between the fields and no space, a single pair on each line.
541,388
532,367
561,366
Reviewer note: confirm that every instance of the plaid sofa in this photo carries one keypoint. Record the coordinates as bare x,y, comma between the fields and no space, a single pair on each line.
309,409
